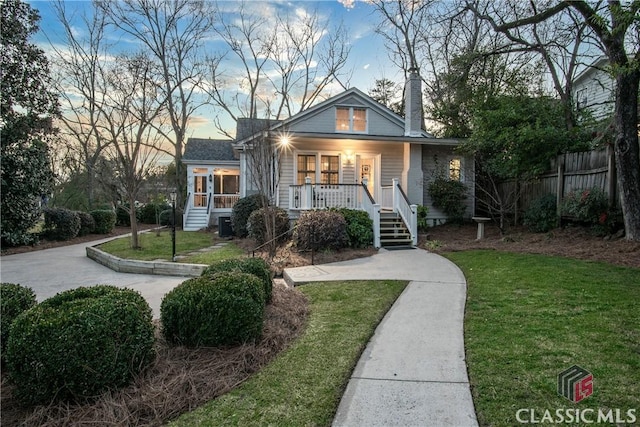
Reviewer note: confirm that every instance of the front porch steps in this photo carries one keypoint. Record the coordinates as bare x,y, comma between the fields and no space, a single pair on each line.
393,231
196,219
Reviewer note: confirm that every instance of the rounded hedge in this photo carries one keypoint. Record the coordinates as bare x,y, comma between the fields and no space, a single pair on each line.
359,227
105,220
87,223
321,230
542,214
222,309
241,212
79,343
14,299
61,223
150,213
256,266
258,230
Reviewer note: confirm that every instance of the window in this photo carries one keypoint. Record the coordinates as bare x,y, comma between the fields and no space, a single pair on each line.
455,171
329,169
581,101
226,184
306,168
351,119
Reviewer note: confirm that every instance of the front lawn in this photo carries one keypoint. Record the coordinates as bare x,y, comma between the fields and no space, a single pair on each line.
303,386
529,317
157,245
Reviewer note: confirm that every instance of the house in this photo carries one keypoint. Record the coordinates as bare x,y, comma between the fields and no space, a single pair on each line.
593,90
348,151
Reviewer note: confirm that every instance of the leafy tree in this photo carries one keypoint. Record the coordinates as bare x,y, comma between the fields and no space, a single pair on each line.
27,108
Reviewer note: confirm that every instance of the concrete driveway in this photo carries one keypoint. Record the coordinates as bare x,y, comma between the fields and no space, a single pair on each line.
50,271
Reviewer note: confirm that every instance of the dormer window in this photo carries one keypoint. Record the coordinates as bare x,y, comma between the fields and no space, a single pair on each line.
351,119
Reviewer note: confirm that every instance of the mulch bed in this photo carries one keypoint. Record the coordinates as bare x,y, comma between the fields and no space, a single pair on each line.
180,380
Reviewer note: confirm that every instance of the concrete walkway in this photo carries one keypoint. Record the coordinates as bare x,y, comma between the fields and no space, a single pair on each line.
50,271
413,371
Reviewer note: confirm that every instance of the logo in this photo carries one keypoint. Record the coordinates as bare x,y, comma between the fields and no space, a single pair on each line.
575,383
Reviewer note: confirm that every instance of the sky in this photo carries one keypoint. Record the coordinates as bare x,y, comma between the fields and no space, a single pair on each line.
368,60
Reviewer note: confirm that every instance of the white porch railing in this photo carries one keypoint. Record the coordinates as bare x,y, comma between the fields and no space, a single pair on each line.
324,196
224,201
187,208
356,196
407,211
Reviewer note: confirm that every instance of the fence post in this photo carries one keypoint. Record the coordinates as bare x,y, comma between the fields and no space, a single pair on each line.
395,194
560,188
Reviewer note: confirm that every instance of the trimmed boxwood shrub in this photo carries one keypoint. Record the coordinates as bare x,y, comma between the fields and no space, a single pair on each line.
223,309
258,230
105,221
359,227
79,343
87,223
256,266
61,223
542,215
14,299
241,212
321,230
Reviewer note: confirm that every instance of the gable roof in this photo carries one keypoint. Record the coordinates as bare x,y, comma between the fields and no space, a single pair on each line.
598,65
205,149
334,100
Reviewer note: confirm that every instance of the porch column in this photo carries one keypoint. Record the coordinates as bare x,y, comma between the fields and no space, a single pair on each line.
412,175
308,191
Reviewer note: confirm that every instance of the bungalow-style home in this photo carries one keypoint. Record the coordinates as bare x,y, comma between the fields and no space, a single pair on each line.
348,151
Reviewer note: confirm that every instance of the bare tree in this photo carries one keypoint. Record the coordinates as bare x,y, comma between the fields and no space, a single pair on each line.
616,28
173,33
132,111
276,67
77,69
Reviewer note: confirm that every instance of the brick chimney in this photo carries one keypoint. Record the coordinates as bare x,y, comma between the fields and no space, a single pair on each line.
413,104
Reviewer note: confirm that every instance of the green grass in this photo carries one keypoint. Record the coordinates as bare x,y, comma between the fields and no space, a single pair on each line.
158,246
304,384
528,317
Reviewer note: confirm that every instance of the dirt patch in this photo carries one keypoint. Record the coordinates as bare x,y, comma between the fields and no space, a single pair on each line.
181,378
571,242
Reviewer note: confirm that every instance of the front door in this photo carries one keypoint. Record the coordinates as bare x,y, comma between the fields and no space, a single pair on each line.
368,169
200,191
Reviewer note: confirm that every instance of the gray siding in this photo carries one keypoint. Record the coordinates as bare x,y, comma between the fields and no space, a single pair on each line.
435,160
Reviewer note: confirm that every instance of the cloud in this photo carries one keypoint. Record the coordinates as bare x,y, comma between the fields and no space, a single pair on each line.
366,66
349,4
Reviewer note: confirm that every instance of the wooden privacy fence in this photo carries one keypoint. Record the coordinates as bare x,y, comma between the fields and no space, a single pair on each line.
570,171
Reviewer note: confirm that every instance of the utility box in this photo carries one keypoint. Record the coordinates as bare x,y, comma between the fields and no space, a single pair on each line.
224,226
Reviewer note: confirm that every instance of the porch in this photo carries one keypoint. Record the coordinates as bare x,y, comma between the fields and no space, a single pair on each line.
394,218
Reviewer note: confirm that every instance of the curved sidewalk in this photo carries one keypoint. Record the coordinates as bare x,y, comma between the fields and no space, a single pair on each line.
413,370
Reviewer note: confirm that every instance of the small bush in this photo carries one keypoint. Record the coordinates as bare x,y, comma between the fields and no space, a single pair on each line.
359,227
449,195
256,266
166,217
423,222
257,227
542,215
105,221
87,223
61,223
321,230
79,344
241,212
14,299
150,213
223,309
586,205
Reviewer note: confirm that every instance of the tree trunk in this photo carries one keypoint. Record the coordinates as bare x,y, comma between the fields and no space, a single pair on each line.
134,223
627,149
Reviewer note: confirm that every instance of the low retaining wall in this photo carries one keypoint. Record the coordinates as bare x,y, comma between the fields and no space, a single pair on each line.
163,268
